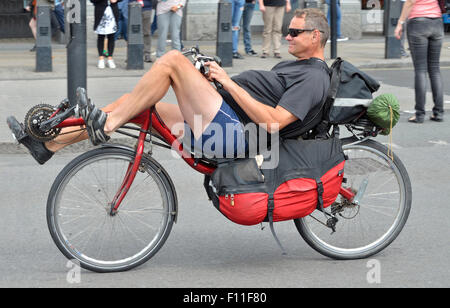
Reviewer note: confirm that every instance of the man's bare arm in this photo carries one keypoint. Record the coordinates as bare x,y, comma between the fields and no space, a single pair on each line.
275,118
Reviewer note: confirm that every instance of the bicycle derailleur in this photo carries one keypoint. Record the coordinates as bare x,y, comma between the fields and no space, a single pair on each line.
344,209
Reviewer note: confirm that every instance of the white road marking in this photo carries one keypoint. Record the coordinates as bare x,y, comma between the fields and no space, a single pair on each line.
438,142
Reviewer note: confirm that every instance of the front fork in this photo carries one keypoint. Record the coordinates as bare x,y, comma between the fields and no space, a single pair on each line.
133,167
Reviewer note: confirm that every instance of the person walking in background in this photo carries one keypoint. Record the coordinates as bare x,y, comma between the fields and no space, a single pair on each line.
403,51
340,37
147,29
237,7
58,10
122,24
32,8
106,17
170,15
425,35
273,13
247,16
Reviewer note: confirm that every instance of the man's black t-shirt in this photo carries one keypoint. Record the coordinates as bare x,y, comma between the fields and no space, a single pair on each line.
297,86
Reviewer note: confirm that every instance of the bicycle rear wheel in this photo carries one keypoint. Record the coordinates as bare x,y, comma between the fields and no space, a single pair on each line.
365,229
78,210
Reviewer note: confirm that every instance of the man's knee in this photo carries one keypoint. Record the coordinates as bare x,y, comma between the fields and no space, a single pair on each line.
171,57
174,61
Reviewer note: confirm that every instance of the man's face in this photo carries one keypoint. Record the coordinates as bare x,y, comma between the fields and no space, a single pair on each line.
301,45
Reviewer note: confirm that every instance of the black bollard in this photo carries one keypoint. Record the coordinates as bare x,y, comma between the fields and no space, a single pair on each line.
43,39
393,9
333,28
76,37
135,50
224,46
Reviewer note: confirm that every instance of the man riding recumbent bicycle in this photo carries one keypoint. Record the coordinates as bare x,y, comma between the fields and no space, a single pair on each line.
113,207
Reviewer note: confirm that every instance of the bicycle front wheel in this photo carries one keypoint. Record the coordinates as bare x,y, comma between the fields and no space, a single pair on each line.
78,210
367,228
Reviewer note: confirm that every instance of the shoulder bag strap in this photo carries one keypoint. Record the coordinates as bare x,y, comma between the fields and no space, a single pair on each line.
334,86
324,126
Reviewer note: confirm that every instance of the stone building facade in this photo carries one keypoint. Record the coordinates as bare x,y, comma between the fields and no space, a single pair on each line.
200,22
358,17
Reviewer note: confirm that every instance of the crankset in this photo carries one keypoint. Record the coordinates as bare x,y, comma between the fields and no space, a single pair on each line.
33,120
41,120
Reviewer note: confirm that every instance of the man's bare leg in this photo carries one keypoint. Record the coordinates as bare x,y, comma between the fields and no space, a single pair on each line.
169,113
195,95
71,135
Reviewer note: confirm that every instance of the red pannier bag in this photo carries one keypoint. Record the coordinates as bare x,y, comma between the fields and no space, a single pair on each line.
242,191
308,175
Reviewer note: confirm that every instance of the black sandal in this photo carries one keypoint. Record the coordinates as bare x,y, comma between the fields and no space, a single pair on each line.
415,119
437,118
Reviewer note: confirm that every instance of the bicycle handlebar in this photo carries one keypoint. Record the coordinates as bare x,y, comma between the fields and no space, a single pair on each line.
199,63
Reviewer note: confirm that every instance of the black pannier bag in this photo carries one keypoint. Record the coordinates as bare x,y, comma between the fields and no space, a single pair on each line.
354,93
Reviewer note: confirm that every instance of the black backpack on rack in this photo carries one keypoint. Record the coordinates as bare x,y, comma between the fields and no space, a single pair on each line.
349,95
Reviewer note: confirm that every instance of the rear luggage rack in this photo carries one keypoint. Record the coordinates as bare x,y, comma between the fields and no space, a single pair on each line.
362,128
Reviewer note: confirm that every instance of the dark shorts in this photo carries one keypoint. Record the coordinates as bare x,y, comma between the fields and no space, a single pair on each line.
223,138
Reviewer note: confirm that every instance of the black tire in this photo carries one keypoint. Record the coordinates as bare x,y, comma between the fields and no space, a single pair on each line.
379,155
125,240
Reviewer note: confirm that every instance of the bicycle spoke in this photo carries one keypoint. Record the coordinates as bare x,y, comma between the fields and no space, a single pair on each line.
141,222
88,238
374,209
154,210
131,232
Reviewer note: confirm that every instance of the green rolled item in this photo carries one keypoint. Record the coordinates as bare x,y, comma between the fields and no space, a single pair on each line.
379,112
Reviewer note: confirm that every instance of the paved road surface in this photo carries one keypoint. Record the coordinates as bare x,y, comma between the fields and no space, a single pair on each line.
206,250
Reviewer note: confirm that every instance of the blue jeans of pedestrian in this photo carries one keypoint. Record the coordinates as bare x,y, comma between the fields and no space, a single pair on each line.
59,13
168,21
237,8
122,27
246,21
425,36
338,17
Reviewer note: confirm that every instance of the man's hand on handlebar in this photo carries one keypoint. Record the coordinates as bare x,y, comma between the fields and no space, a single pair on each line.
218,74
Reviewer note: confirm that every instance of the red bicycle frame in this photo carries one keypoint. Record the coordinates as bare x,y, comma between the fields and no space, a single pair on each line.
147,120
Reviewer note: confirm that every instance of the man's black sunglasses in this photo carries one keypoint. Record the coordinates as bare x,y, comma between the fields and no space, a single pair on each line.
295,32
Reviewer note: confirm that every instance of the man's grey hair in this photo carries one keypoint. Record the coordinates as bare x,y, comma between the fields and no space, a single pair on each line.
315,19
